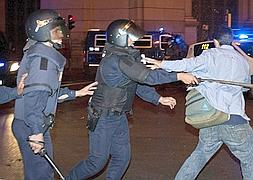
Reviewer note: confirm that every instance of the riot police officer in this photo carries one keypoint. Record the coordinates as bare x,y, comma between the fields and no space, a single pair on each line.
44,65
120,76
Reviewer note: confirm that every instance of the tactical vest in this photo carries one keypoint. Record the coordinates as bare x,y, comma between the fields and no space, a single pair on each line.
44,66
120,98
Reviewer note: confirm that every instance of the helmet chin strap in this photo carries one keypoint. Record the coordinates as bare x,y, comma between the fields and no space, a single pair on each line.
55,44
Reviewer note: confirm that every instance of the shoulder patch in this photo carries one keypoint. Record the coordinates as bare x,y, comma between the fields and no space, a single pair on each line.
43,63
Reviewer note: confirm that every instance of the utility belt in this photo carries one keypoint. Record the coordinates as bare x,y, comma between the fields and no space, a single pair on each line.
106,111
94,113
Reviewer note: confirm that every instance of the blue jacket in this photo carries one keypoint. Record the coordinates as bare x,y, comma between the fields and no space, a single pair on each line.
7,94
44,66
121,74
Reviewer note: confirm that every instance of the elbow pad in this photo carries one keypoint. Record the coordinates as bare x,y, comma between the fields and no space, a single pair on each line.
136,71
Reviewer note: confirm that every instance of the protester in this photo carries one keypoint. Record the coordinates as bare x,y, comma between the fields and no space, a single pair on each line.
222,63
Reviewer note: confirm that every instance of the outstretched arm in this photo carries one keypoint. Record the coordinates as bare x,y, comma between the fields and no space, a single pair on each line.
187,78
66,94
241,51
149,94
7,94
168,101
249,59
87,90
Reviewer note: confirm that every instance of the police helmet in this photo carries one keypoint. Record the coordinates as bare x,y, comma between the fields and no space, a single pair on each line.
120,30
41,22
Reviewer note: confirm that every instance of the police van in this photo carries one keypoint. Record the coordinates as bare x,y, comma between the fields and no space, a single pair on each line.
9,63
154,44
244,39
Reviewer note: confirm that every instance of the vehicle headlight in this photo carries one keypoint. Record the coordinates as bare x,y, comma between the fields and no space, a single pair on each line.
1,64
14,67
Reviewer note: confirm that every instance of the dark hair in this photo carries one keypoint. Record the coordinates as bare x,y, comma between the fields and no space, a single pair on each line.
223,35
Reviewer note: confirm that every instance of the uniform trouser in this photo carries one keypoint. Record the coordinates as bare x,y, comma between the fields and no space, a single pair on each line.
239,140
35,166
111,137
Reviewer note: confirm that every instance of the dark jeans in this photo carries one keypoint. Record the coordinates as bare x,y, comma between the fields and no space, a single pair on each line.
111,137
35,166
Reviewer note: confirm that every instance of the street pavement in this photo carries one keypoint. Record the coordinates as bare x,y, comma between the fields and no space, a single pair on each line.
160,140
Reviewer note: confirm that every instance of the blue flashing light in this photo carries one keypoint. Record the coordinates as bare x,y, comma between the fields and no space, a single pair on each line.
243,36
178,39
1,64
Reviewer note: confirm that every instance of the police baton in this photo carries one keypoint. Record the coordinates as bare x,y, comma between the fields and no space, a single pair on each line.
247,85
43,153
49,122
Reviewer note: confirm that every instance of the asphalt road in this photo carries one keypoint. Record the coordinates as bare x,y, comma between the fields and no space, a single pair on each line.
160,139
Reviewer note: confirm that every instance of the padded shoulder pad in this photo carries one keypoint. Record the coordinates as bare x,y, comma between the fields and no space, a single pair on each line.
136,71
43,75
49,53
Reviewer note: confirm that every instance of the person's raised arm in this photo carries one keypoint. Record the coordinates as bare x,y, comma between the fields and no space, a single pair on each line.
249,59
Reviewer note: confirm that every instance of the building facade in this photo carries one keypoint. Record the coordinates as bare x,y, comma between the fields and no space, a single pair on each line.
186,17
174,16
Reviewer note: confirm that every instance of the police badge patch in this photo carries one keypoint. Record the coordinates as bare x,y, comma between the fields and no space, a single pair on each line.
43,63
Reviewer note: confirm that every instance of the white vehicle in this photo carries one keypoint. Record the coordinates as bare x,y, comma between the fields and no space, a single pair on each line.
197,48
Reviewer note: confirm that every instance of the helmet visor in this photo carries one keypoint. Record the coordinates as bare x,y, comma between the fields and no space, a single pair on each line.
59,21
134,32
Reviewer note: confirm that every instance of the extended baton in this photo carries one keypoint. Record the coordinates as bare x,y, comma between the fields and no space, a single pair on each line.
248,85
49,124
43,152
